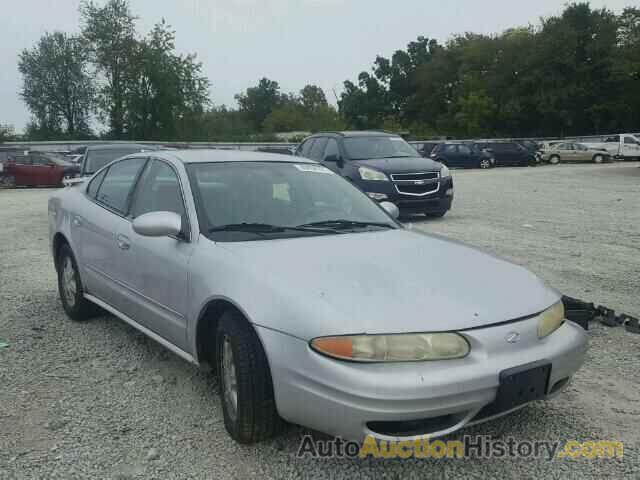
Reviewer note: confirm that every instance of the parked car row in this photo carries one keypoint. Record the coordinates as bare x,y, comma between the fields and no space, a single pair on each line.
525,152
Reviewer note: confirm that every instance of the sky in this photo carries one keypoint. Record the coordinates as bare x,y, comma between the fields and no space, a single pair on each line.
295,42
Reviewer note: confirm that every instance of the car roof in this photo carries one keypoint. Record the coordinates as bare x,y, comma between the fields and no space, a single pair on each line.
357,133
224,156
121,146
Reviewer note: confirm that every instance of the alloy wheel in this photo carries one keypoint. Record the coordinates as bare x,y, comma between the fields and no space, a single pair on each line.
69,282
229,379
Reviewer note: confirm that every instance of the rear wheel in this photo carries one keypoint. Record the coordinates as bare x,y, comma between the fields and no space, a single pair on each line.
554,159
70,287
485,163
8,181
597,158
246,389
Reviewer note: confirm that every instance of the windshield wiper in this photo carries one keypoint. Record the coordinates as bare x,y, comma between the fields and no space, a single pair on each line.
341,224
262,228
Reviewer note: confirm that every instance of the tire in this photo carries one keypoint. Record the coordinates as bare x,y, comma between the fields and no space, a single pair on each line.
554,159
598,158
246,389
436,214
70,288
484,163
8,181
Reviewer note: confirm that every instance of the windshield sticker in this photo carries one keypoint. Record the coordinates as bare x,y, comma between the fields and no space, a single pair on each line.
312,168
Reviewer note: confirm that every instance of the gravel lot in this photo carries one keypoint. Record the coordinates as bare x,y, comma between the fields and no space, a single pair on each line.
99,400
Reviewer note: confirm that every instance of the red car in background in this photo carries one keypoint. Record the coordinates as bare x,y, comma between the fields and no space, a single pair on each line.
34,169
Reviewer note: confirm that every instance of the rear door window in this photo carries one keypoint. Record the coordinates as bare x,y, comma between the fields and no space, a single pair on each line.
450,149
117,185
464,150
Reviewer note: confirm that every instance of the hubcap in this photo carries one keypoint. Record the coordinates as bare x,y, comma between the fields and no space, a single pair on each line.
69,284
484,164
229,378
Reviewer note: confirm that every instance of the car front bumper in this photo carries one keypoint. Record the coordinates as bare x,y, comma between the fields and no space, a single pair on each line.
350,399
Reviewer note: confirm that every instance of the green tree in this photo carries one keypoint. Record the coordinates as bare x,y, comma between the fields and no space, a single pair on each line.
56,85
259,101
312,99
164,88
111,35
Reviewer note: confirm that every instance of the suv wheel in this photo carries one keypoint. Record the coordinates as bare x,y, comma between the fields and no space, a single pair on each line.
70,287
554,159
246,389
485,163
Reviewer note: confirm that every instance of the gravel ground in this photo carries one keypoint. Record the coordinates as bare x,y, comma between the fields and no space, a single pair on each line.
99,400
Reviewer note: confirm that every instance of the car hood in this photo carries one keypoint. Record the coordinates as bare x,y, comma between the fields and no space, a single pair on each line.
386,282
401,164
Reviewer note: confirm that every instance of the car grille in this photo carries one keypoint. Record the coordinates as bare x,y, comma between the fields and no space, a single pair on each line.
417,184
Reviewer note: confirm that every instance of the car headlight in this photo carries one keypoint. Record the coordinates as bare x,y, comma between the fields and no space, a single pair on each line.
370,174
408,347
445,172
550,320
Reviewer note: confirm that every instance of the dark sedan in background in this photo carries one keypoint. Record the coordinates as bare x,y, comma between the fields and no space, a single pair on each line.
463,155
509,153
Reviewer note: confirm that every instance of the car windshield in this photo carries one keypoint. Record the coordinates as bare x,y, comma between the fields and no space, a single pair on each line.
366,147
240,201
96,159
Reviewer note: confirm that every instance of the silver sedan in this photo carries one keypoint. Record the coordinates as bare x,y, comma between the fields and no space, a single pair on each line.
313,305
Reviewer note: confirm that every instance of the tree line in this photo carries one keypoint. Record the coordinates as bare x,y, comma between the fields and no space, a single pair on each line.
574,73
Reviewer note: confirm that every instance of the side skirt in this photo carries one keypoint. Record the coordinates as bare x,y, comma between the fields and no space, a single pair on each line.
154,336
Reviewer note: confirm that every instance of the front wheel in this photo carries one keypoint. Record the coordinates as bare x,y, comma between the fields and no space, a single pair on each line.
246,389
597,159
485,163
554,159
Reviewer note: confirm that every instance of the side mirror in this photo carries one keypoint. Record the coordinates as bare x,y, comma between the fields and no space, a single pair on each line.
158,224
331,158
391,209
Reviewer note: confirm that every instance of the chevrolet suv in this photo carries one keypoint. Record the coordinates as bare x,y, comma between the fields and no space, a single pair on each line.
386,168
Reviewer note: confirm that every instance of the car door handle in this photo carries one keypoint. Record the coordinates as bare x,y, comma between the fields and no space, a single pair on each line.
123,242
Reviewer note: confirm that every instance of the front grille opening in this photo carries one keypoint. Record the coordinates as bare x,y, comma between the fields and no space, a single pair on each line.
409,428
415,176
417,189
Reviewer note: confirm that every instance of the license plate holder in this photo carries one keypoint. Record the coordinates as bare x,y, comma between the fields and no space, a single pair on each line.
523,384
